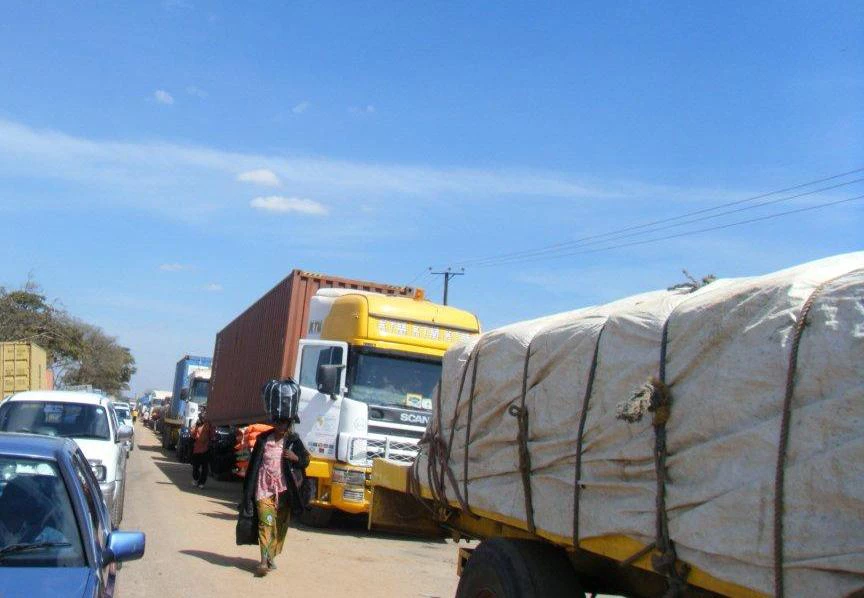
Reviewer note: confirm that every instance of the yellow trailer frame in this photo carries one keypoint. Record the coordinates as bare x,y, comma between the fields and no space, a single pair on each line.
395,509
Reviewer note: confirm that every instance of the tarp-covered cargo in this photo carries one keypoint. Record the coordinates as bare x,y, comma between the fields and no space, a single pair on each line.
713,366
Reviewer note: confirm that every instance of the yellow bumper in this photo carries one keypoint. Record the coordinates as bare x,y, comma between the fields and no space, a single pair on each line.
350,498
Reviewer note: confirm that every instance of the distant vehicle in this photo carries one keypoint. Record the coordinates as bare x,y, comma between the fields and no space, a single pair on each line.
87,419
124,414
191,387
56,537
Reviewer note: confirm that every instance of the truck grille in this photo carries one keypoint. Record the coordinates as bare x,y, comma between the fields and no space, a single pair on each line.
383,447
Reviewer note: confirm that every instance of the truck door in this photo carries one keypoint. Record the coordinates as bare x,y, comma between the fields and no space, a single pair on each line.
319,413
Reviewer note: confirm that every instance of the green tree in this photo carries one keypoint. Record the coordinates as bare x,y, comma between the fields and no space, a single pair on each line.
78,352
102,362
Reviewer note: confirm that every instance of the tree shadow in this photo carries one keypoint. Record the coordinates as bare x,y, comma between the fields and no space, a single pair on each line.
221,560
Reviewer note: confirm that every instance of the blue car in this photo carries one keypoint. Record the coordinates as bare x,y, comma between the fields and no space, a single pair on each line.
55,530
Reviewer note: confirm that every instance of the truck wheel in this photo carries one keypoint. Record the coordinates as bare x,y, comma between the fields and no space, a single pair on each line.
502,568
316,517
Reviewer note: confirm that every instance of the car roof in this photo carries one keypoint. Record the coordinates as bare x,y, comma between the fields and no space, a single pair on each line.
35,445
60,396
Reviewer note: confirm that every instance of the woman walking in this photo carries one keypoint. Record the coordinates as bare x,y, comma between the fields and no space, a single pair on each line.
272,488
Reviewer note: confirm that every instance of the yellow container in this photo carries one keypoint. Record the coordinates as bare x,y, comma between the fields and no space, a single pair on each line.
23,366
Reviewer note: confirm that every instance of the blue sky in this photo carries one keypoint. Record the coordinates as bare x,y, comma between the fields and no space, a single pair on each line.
163,164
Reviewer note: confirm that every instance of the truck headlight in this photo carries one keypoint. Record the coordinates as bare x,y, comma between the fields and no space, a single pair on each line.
99,470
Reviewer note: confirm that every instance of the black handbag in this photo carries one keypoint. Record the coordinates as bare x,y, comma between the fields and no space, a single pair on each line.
247,530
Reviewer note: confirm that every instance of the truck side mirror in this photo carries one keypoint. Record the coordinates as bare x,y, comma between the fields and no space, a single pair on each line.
328,378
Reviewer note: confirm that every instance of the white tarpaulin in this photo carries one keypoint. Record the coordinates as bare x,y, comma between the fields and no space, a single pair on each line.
727,357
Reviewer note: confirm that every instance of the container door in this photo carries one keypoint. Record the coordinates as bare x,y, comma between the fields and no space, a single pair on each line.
319,413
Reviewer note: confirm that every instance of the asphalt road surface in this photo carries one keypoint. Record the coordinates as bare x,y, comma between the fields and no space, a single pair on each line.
191,549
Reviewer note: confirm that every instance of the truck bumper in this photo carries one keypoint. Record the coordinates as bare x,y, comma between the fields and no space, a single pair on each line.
354,498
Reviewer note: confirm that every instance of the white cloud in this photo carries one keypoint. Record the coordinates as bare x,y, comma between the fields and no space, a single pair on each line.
196,91
277,203
367,109
173,267
301,107
185,181
260,176
213,287
163,97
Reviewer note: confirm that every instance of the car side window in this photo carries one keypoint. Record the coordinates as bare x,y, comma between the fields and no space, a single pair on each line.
92,495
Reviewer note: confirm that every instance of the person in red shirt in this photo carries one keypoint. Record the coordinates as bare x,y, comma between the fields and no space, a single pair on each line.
202,435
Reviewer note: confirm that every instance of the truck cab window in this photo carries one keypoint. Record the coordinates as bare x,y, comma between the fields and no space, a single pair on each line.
314,356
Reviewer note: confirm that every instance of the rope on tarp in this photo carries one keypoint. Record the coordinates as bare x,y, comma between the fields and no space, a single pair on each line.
580,434
655,398
783,444
520,412
467,507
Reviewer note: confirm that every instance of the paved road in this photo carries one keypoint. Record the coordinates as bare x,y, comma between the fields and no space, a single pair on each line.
191,549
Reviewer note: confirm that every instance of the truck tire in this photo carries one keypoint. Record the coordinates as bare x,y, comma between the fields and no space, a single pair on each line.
316,517
503,568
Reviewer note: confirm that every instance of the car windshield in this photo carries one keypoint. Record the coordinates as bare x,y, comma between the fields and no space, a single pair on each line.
389,380
37,523
122,412
73,420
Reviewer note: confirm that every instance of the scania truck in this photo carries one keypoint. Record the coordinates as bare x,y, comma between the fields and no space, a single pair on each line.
367,356
367,369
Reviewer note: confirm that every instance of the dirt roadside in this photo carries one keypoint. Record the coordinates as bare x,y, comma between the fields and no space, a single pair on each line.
191,549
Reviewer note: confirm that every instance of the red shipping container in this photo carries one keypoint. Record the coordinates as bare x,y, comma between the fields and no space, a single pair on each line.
261,343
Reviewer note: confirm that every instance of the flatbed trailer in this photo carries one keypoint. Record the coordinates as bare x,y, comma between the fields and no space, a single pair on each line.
682,442
612,564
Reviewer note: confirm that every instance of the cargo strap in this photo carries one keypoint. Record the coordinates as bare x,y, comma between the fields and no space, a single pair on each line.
521,415
656,398
438,453
786,416
468,425
583,417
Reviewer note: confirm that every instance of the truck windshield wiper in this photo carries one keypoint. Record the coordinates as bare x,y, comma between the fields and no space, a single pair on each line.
16,548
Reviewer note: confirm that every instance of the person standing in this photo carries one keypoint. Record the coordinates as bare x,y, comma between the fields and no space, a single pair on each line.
273,483
202,436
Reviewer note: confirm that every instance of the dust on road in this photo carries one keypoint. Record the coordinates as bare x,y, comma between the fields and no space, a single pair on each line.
191,549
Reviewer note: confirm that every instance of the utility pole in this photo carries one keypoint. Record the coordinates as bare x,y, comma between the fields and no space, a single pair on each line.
448,274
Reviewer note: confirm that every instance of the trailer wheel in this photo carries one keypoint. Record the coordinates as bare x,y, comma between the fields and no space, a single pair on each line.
502,568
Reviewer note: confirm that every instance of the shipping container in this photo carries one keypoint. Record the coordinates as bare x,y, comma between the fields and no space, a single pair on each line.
261,343
24,366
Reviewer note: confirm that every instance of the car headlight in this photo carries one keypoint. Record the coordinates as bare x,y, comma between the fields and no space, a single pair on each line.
99,470
348,476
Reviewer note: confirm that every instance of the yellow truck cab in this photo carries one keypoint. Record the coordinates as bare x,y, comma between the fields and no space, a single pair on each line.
367,369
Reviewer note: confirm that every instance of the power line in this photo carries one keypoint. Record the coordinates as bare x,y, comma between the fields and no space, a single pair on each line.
485,261
688,233
552,252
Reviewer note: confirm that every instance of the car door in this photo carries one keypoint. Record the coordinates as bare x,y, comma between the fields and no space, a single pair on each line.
99,523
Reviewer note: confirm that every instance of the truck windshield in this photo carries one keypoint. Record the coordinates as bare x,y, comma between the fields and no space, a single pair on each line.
199,390
73,420
388,380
